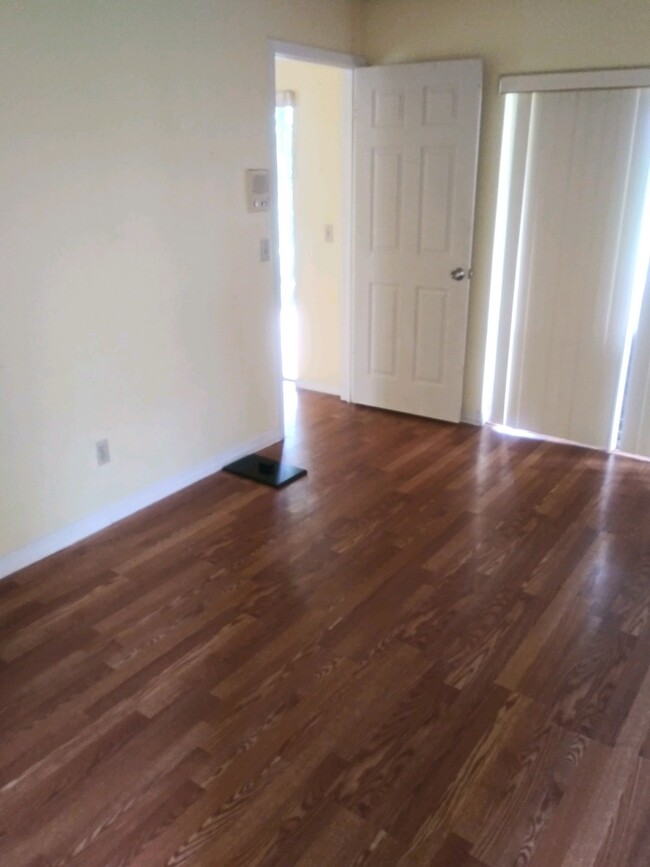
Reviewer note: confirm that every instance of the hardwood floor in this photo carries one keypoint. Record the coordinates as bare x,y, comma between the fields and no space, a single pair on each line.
434,650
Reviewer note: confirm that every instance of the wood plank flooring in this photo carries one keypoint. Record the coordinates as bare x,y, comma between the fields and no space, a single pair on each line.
434,650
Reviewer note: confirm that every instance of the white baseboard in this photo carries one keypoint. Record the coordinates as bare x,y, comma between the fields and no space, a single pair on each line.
474,418
46,545
323,388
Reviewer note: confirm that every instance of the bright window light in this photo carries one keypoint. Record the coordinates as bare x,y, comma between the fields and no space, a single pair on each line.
519,433
498,255
638,290
284,134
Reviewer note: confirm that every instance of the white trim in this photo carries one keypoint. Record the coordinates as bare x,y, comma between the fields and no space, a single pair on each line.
310,54
321,387
595,79
347,226
618,453
57,541
474,418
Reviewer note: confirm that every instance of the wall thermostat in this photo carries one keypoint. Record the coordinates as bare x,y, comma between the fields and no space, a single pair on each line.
258,195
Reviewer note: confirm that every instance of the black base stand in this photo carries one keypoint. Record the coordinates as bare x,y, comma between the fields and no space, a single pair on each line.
265,470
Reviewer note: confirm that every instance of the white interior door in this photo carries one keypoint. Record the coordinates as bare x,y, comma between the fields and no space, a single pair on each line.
415,155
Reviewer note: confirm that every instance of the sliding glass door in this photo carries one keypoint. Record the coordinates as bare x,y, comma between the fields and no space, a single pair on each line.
569,250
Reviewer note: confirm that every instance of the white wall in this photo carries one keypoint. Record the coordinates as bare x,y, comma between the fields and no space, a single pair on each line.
132,302
319,144
512,36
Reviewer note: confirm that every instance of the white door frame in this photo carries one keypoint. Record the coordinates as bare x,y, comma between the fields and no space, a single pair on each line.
341,60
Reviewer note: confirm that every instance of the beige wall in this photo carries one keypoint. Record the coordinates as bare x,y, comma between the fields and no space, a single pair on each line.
511,36
133,303
318,202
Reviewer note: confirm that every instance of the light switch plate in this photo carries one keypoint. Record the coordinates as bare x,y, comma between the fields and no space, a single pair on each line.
258,192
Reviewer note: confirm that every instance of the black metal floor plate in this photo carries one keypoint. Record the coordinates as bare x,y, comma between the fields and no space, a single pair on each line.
265,470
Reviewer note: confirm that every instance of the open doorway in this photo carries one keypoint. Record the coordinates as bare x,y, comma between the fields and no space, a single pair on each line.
313,152
286,168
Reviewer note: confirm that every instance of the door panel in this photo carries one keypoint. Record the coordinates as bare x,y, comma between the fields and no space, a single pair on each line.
430,330
416,145
383,329
436,188
386,199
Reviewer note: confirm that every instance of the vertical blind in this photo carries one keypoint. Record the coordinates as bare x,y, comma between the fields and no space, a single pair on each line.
635,427
572,190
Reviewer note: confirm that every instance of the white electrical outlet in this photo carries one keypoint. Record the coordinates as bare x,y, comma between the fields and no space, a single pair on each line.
103,452
329,233
265,250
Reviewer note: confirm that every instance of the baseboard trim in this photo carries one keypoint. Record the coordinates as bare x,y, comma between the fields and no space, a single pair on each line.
63,538
474,418
318,386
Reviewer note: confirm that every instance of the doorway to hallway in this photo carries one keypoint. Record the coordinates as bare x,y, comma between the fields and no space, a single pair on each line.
311,133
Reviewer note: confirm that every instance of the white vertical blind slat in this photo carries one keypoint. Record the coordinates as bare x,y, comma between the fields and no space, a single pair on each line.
635,427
